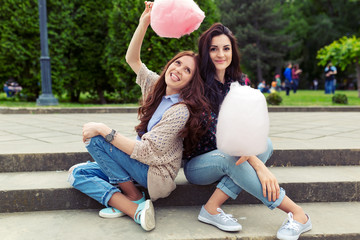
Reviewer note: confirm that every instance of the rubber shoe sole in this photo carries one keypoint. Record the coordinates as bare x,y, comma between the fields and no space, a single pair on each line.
147,217
222,227
114,214
284,237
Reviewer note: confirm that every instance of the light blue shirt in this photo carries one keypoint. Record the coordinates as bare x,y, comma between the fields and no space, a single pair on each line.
165,104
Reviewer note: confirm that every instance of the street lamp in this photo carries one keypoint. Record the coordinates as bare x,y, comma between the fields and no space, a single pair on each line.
46,98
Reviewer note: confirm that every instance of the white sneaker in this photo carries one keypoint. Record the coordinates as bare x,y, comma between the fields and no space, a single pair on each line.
222,220
291,229
145,215
111,212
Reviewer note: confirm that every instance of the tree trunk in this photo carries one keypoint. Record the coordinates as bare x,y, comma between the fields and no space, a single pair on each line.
101,96
74,96
258,70
357,64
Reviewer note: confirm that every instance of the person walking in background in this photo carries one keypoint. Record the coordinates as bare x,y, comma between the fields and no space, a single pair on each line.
288,79
295,73
278,82
330,72
219,68
172,106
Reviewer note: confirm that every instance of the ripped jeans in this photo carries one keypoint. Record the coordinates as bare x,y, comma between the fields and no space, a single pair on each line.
111,166
216,166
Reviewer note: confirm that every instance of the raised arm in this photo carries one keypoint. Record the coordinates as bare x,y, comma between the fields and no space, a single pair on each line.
133,52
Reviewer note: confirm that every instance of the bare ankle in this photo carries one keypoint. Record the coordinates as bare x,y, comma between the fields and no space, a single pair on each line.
134,197
300,216
211,208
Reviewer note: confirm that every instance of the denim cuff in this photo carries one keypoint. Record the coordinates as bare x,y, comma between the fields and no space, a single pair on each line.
108,195
117,180
278,201
227,191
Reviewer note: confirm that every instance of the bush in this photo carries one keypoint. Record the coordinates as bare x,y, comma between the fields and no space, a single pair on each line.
340,98
274,99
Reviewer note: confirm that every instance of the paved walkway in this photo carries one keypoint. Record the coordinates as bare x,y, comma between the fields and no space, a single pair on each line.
50,133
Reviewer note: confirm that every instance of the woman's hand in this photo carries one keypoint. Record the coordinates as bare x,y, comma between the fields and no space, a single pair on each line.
93,129
242,159
269,183
145,16
133,53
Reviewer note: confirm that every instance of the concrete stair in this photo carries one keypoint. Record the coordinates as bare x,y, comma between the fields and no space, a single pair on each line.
36,202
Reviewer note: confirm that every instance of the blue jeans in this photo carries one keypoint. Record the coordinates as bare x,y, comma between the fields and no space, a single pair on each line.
329,86
216,166
295,85
111,166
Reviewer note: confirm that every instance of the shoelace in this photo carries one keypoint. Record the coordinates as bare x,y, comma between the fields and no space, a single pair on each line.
290,223
225,216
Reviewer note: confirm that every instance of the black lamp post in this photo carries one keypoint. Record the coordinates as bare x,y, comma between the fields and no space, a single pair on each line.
46,98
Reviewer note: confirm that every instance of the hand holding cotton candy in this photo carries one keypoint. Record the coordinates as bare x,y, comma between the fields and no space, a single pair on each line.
175,18
243,122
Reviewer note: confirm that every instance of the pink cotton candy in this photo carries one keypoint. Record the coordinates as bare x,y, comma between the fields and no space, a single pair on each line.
175,18
243,122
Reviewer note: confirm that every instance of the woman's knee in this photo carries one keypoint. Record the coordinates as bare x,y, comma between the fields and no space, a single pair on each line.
267,154
77,171
209,169
94,142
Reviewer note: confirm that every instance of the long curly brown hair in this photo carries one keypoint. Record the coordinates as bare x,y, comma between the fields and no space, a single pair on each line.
192,95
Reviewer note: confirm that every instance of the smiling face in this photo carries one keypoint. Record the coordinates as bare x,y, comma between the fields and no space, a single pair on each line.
221,54
179,74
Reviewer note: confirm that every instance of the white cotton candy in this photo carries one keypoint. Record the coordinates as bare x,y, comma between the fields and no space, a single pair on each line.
243,122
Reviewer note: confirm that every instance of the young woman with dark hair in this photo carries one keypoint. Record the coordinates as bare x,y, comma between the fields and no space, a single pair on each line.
219,67
172,108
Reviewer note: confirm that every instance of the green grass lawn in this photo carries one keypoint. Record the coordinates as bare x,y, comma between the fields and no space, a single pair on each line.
317,98
16,102
301,98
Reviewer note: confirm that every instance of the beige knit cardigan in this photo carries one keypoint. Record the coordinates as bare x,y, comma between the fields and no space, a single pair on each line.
161,148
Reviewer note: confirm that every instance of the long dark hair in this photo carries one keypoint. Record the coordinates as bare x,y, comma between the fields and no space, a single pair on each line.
192,95
207,67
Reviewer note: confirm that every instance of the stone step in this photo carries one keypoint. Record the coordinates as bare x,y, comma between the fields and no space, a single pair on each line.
63,161
331,221
41,191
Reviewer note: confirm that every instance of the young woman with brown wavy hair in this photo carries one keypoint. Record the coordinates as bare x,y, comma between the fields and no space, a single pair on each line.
172,107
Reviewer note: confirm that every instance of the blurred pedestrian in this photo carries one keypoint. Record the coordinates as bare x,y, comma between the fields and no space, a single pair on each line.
288,79
278,82
330,72
295,77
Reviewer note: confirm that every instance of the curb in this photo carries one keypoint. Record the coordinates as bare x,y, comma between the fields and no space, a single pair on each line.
32,162
54,110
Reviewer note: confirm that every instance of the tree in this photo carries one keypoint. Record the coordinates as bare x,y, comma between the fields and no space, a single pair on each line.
258,27
20,44
316,23
343,53
87,45
77,35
